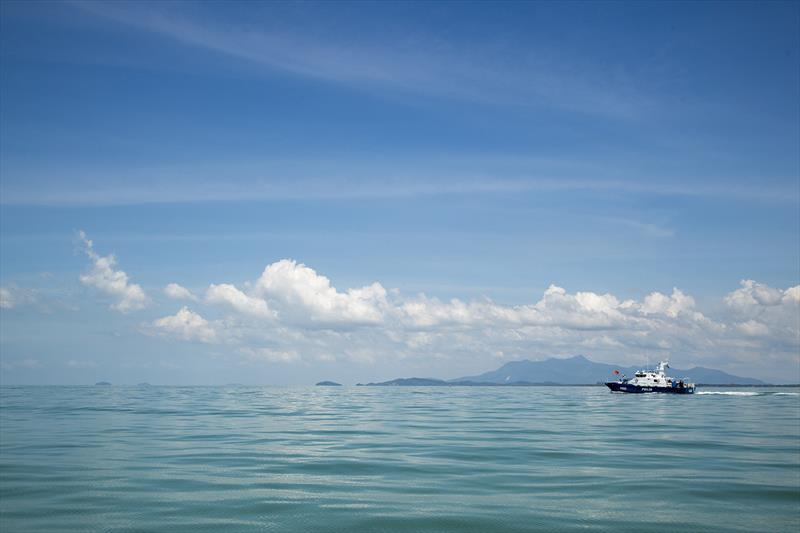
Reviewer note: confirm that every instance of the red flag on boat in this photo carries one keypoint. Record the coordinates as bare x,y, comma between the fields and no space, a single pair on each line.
616,372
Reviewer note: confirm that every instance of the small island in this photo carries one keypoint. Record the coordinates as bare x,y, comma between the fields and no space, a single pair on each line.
328,384
103,384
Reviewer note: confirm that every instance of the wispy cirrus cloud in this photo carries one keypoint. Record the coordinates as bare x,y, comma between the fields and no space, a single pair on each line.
420,64
20,364
360,177
81,363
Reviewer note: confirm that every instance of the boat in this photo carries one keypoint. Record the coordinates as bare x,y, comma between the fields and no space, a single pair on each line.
652,381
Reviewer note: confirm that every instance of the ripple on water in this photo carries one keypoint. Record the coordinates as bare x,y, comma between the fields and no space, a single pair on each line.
400,459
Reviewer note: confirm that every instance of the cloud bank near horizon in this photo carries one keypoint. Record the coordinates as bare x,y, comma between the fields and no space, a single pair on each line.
291,314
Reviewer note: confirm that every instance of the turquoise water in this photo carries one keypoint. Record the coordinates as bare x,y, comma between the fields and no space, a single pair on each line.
397,459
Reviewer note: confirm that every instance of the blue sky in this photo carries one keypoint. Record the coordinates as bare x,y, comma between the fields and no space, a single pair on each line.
520,180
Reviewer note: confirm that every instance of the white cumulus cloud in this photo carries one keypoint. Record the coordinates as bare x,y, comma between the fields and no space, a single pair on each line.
672,306
753,328
753,295
791,295
765,310
270,355
7,300
111,281
186,325
12,297
291,313
238,300
179,292
556,308
302,294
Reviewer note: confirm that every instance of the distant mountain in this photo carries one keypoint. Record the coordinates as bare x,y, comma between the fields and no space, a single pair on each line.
574,370
579,370
328,384
709,376
432,382
409,382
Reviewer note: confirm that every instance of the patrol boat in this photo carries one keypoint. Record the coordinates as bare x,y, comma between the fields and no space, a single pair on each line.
652,381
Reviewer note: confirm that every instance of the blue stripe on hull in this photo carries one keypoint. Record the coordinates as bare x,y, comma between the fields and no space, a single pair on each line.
617,386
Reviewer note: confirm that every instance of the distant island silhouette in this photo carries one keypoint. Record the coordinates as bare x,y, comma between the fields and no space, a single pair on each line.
576,370
328,384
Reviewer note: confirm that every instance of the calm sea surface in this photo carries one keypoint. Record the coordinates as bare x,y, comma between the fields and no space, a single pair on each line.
397,459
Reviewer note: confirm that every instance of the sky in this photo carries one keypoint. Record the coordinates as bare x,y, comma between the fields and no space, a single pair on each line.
281,193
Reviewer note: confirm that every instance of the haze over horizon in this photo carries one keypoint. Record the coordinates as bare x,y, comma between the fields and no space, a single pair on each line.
284,193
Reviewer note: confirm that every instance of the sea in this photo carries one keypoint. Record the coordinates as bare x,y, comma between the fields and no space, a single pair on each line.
426,459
